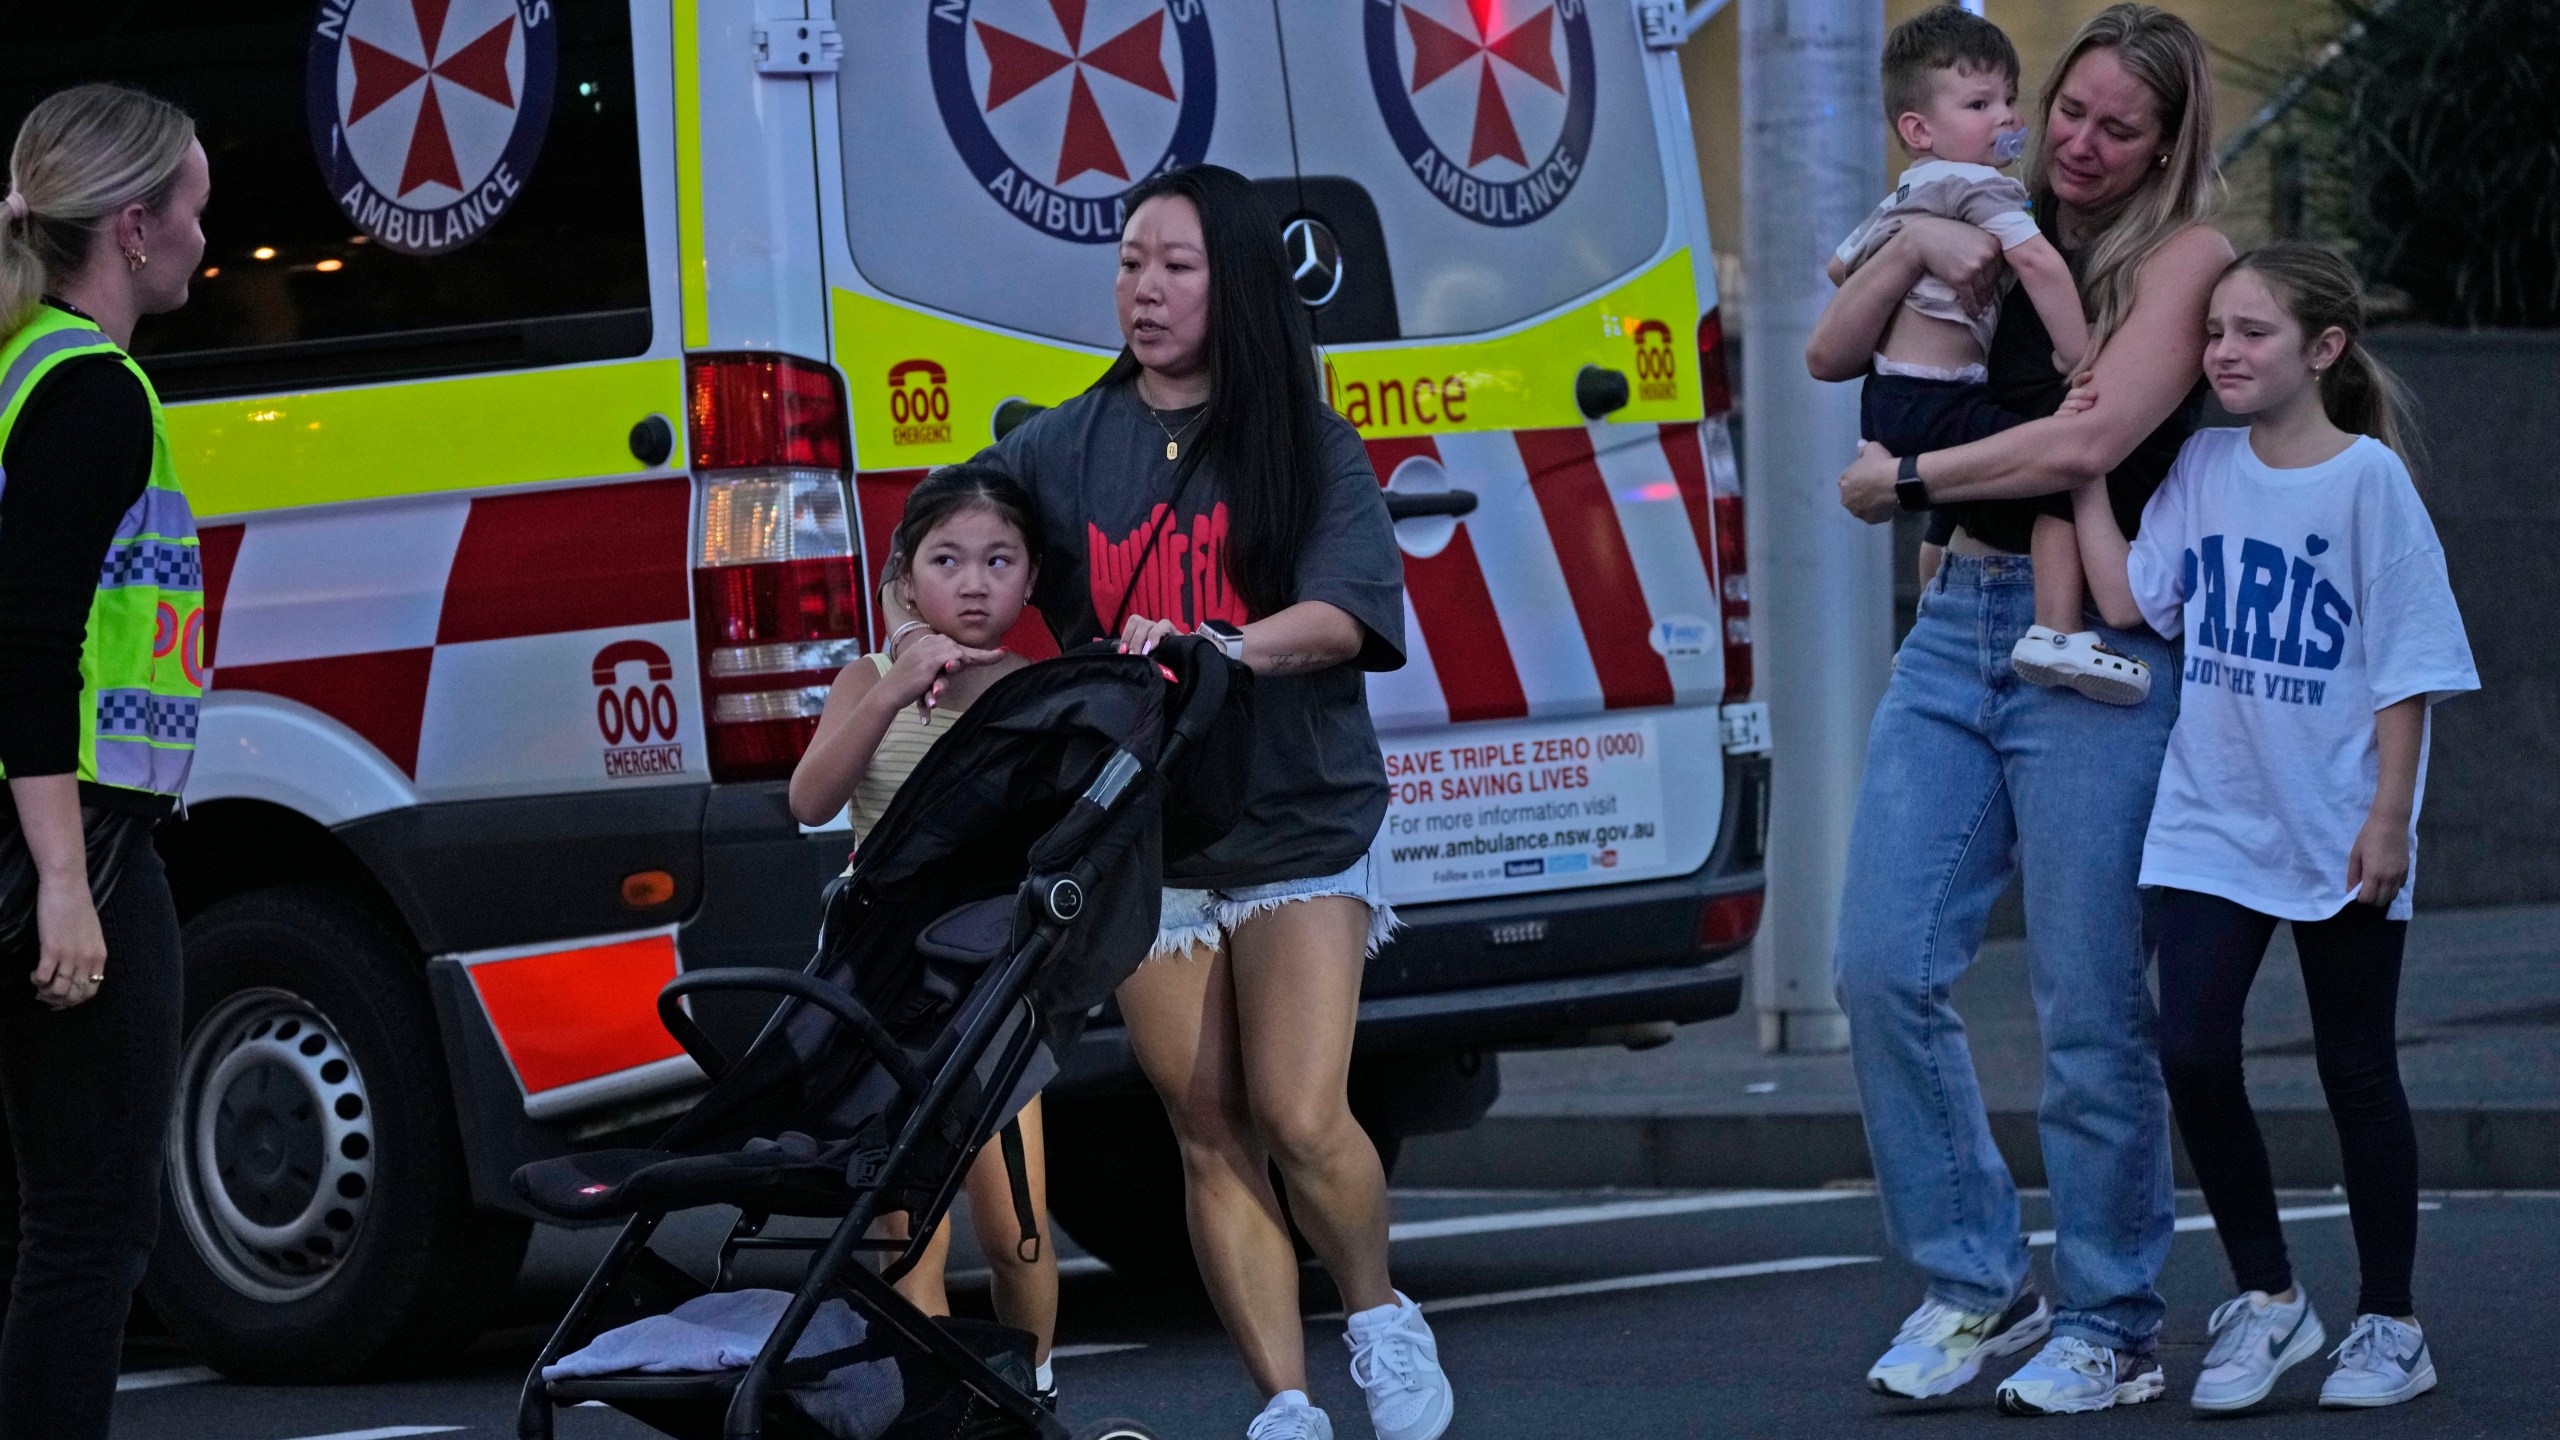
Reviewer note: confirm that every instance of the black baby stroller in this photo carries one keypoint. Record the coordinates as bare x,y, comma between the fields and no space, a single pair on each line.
1011,886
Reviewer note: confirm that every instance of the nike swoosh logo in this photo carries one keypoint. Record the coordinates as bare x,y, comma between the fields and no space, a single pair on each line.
2276,1347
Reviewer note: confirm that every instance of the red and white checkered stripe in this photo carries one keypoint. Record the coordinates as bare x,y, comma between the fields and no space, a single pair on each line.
455,635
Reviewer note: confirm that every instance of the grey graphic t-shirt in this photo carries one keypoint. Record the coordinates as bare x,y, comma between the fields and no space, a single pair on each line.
1096,467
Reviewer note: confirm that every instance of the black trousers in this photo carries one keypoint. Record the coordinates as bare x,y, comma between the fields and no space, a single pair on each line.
2209,951
84,1102
1911,416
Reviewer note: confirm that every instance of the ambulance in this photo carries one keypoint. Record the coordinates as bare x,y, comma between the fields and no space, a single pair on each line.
553,380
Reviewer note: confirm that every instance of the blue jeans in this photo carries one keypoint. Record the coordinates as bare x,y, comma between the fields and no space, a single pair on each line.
1969,771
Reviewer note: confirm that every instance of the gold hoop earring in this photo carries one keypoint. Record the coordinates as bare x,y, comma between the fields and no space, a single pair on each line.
134,260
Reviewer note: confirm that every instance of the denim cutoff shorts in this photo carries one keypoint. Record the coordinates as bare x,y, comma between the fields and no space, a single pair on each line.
1203,917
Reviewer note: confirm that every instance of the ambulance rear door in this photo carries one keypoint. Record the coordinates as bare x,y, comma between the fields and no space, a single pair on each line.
1498,224
973,160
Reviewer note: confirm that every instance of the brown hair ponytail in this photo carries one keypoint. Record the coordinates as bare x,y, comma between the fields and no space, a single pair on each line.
2360,394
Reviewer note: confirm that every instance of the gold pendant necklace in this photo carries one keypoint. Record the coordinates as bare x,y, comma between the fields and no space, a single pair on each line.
1173,437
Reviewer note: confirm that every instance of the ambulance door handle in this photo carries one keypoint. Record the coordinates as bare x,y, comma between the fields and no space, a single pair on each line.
1599,390
1413,506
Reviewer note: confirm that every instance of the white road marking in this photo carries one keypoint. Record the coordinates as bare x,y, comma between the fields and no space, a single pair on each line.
1612,1210
1078,1352
2187,1224
163,1379
1635,1282
384,1432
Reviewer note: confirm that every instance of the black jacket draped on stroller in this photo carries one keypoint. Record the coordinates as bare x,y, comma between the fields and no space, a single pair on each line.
1011,886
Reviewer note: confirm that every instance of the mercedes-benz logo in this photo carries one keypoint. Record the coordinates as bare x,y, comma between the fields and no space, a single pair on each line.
1315,260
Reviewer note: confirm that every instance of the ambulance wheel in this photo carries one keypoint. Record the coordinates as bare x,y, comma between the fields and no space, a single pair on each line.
1115,1184
317,1222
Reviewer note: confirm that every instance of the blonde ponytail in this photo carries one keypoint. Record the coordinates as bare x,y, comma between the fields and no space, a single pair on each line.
82,155
2359,393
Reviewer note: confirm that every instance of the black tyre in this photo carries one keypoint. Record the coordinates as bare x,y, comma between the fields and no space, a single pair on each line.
1115,1184
1115,1430
317,1220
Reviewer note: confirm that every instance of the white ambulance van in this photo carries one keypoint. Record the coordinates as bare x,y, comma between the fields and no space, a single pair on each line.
555,374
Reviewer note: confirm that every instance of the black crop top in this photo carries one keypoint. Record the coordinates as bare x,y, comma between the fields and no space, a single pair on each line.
2024,382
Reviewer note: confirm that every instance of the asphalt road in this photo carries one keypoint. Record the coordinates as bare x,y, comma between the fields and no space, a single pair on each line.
1587,1313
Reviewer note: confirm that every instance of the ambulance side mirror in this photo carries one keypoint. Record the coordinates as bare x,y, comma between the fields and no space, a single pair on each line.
1599,390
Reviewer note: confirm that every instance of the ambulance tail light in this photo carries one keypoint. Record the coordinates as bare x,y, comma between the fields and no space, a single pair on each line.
777,584
1715,384
1733,561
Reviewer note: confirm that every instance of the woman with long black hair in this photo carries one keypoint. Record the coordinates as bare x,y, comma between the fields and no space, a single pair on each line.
1202,486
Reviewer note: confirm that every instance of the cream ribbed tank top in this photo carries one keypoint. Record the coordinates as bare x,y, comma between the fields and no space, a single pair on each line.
901,750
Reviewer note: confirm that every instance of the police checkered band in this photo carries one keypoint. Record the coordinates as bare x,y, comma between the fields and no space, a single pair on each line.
153,561
143,715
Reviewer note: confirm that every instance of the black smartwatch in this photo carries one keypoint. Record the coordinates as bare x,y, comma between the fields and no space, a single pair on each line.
1908,490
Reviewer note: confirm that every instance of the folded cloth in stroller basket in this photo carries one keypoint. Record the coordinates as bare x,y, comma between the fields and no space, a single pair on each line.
1009,889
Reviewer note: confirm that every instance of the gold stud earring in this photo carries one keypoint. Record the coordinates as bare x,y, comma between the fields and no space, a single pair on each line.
134,260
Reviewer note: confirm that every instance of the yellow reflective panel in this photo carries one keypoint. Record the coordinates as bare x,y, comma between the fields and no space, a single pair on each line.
1646,328
419,437
691,263
924,389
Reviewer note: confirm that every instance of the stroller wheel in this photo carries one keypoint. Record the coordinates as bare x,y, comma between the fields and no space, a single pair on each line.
1115,1430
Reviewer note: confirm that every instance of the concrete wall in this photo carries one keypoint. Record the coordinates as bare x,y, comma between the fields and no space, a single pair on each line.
2489,415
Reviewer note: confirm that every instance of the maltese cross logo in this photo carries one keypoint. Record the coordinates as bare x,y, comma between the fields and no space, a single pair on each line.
1517,81
1060,107
428,114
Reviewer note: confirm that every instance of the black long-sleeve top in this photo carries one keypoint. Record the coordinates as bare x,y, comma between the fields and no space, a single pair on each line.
76,461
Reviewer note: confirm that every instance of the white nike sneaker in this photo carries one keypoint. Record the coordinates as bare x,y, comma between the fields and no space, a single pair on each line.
1290,1417
2080,661
2070,1376
2255,1339
1942,1348
1395,1360
2381,1362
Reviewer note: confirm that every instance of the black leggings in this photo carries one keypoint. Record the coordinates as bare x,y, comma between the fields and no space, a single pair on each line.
84,1102
2209,954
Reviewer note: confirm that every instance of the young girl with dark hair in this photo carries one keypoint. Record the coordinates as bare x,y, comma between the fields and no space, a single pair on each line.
961,563
2299,563
1201,485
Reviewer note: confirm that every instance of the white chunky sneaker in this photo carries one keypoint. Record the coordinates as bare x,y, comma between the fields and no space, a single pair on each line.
1397,1363
2080,661
2381,1362
2255,1339
1290,1417
2070,1376
1942,1348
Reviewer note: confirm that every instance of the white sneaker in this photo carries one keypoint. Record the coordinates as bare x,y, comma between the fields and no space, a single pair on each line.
2080,661
1397,1363
2070,1376
1942,1348
1290,1417
2255,1339
2381,1362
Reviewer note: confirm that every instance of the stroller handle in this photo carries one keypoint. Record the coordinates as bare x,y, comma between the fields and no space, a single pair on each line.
797,986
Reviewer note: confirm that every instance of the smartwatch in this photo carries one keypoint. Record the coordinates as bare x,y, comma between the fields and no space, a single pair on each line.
1228,638
1908,491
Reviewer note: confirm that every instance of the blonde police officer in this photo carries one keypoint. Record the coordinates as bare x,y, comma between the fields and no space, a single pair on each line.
101,601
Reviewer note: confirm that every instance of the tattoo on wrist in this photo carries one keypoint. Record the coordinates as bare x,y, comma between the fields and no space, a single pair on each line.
1291,661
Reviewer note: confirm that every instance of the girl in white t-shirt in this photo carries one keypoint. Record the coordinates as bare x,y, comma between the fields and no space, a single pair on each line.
2297,563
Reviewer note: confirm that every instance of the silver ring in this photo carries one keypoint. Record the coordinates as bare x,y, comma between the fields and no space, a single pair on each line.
97,979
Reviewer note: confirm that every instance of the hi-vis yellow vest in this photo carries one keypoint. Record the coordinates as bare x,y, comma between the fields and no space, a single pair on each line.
142,666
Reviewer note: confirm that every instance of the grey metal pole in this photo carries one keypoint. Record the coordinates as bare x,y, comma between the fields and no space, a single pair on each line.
1812,164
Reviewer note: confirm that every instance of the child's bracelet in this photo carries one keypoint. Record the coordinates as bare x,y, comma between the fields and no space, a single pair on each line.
901,633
